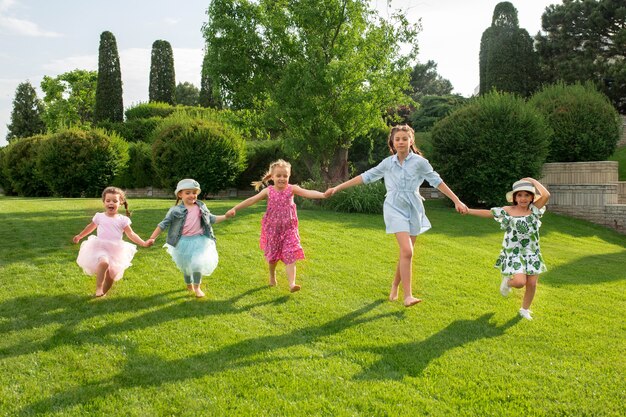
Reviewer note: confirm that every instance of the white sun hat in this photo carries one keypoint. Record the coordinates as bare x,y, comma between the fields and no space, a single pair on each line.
520,185
187,184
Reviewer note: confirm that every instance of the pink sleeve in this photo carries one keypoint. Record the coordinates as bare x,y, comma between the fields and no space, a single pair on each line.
125,221
96,218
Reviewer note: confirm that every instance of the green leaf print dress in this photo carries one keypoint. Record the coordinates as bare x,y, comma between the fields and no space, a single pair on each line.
520,252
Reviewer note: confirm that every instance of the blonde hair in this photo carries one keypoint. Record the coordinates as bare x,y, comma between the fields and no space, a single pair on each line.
402,128
121,193
268,174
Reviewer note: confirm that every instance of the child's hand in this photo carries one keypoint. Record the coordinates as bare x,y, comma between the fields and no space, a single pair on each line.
149,243
76,239
461,208
230,213
329,192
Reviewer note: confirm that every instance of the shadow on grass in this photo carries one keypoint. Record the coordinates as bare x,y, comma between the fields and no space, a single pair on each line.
70,311
149,370
411,359
594,269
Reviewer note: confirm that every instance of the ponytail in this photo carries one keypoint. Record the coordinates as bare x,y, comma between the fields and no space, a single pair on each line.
268,174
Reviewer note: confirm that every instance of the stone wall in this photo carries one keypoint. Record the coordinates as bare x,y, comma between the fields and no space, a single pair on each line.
151,192
622,141
587,190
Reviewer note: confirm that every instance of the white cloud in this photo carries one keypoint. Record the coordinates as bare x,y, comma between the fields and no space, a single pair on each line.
171,21
25,28
59,66
6,5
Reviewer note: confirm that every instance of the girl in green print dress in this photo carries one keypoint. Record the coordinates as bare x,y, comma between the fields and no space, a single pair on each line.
520,260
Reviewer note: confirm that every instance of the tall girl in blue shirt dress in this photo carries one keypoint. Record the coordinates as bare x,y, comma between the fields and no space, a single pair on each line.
403,172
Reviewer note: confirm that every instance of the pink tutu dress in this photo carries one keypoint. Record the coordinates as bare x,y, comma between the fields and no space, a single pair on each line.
108,244
280,240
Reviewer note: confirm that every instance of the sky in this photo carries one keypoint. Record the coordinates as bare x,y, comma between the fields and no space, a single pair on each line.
46,37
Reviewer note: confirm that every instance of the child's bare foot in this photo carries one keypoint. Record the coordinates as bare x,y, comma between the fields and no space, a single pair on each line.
189,287
99,294
294,288
199,293
272,282
411,301
393,295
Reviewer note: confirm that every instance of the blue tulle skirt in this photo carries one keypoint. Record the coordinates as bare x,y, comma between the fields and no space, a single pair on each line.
195,253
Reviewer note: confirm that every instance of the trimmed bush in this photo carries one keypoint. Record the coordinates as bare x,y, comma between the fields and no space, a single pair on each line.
4,181
134,130
20,167
139,171
483,147
259,156
585,125
148,110
81,163
208,151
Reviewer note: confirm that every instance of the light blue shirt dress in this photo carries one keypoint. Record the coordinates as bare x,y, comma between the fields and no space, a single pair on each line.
403,209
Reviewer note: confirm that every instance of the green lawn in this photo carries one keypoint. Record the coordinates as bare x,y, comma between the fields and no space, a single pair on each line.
620,156
336,348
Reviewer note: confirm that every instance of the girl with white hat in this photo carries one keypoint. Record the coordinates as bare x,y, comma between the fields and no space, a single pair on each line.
190,238
520,260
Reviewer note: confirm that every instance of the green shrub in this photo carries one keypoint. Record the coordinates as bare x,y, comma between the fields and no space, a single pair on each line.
208,151
4,181
368,150
433,108
139,171
483,147
134,130
76,162
259,155
585,125
148,110
20,167
366,198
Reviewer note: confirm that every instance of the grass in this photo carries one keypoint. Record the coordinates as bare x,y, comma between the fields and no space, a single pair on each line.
336,348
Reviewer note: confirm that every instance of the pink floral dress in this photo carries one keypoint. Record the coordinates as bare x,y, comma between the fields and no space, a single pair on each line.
280,240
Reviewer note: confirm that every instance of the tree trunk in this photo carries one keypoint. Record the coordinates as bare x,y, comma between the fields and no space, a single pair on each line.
337,171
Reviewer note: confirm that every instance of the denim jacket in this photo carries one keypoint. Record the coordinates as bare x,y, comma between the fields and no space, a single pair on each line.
175,219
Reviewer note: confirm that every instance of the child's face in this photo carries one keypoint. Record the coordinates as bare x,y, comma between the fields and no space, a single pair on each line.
524,198
111,203
280,176
189,196
402,141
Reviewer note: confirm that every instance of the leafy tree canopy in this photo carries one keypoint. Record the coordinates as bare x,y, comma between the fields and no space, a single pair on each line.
69,98
326,70
426,81
585,40
26,117
187,94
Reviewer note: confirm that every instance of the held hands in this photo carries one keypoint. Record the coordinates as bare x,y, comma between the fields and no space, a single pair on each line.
331,191
461,207
230,213
148,243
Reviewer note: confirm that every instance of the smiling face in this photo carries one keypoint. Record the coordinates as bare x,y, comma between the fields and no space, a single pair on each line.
189,196
523,198
402,142
111,203
280,176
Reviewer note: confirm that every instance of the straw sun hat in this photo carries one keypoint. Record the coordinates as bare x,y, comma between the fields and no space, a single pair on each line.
521,185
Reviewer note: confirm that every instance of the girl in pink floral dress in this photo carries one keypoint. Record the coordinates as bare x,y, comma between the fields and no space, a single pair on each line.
280,240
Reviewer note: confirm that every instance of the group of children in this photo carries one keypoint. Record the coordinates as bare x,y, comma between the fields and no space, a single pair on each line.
191,242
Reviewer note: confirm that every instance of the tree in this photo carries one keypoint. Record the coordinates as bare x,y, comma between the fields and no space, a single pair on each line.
26,117
432,109
109,102
325,70
507,61
208,97
187,94
162,77
426,81
69,98
585,40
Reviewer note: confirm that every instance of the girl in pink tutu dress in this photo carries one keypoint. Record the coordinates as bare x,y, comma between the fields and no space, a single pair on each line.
107,255
280,240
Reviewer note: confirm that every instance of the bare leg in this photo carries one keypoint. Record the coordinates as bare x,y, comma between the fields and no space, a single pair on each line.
529,294
196,281
272,266
108,282
291,277
393,294
518,281
101,273
405,266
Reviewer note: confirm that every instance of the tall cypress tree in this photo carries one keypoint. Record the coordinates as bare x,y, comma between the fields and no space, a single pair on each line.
208,97
26,117
109,101
507,61
162,78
